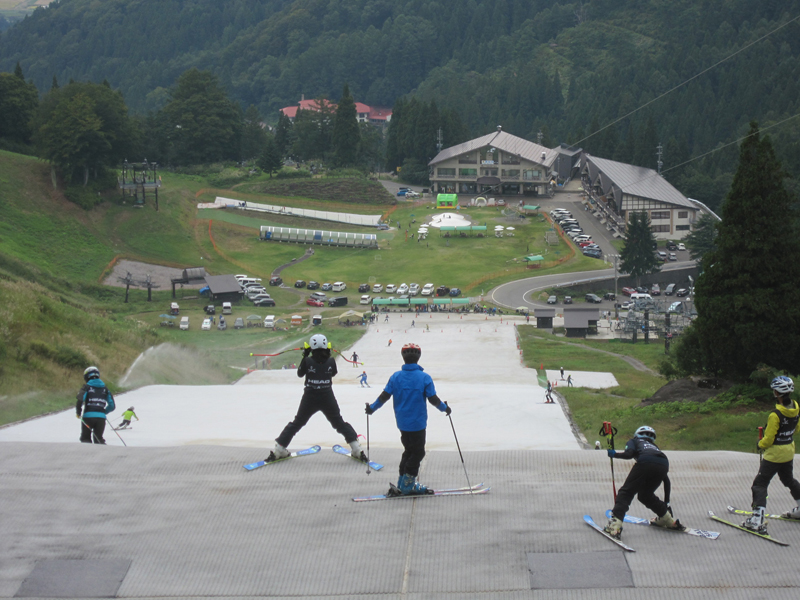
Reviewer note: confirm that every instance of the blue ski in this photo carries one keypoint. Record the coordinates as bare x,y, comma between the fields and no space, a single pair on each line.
345,452
261,463
711,535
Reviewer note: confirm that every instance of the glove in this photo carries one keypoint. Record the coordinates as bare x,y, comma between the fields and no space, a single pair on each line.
77,416
368,409
447,409
611,453
306,351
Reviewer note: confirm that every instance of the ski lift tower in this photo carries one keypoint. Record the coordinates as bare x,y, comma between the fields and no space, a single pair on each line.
137,180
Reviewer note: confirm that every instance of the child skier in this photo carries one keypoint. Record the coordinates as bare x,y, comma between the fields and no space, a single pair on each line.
95,402
410,387
778,446
649,472
363,379
319,369
126,418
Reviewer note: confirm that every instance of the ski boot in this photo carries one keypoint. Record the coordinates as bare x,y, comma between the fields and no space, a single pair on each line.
357,452
409,486
614,528
755,522
668,522
792,514
278,453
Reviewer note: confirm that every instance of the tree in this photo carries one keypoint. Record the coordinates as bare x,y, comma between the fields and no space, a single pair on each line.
746,296
253,134
638,257
205,126
18,103
271,159
701,239
312,129
346,134
284,134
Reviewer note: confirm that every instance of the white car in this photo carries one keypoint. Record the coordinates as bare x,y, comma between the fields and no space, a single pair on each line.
412,194
206,326
391,288
403,289
413,289
583,238
377,288
365,299
681,247
427,289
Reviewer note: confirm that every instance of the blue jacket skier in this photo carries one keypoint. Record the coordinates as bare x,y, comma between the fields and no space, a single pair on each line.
94,402
410,387
778,446
649,472
363,379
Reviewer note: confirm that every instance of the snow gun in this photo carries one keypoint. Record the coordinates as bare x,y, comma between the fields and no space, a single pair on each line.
609,431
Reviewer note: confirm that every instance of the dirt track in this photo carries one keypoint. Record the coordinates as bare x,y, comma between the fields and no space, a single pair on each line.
159,275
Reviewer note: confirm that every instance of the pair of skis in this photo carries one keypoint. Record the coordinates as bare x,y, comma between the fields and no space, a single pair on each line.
313,450
747,513
709,535
463,491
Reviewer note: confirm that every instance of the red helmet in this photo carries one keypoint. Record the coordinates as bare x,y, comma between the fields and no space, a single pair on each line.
411,353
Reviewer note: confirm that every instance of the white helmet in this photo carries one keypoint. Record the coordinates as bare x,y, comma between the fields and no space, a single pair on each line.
91,373
782,385
318,341
646,432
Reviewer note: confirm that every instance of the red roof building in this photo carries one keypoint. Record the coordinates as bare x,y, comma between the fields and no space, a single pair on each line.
375,115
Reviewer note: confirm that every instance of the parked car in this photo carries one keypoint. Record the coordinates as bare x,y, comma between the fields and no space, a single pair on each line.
403,289
264,302
251,293
681,247
338,301
391,288
319,296
682,292
427,289
260,297
184,323
315,302
411,194
327,287
275,281
442,290
628,291
312,285
609,296
672,256
670,289
593,299
238,323
222,325
413,289
364,287
365,299
672,246
552,300
501,202
584,243
383,227
567,299
454,292
627,305
676,307
593,253
377,288
299,283
210,309
655,290
206,326
339,286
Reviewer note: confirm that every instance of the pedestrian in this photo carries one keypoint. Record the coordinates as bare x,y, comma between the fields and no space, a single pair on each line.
363,379
126,418
562,373
427,327
778,446
94,402
569,380
355,359
410,387
390,343
548,394
319,369
386,320
527,318
412,323
649,472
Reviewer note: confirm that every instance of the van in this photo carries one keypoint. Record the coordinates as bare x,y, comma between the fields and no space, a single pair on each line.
339,286
635,297
184,323
338,301
245,280
227,309
269,321
174,309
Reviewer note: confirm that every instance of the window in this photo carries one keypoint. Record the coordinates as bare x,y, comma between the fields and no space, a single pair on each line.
683,214
682,227
510,172
468,172
659,214
531,174
447,172
510,159
489,172
660,228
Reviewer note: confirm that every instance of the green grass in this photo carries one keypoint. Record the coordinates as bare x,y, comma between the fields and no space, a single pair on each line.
728,422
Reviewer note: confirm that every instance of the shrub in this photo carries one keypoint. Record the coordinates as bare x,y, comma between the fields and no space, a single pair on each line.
60,354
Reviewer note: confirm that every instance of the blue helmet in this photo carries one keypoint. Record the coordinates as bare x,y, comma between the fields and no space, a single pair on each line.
782,385
646,432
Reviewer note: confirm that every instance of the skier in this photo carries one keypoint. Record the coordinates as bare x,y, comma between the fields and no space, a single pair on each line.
410,386
547,395
126,418
650,470
355,359
319,369
95,402
778,446
389,344
363,379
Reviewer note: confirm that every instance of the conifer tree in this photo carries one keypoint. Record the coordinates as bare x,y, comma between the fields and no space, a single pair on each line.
638,256
346,133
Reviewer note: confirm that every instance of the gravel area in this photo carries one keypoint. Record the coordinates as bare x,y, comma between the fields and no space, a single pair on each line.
159,275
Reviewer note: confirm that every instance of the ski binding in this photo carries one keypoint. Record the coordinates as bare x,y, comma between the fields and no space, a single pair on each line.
747,513
475,489
261,463
710,535
590,522
345,452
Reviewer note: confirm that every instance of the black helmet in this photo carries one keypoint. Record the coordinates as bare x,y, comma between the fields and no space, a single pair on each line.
411,353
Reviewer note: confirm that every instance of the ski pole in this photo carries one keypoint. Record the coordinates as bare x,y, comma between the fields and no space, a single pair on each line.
610,432
367,444
760,449
95,437
459,452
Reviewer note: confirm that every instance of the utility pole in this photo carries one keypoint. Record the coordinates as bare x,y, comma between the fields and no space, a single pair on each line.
659,153
615,258
539,137
439,143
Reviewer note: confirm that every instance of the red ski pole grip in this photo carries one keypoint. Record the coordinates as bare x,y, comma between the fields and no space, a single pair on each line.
760,433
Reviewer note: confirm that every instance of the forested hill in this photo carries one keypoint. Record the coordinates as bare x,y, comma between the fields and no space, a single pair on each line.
566,68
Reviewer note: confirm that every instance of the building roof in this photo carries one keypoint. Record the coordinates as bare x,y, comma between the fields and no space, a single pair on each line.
313,104
580,316
544,313
375,113
380,113
639,181
223,284
502,141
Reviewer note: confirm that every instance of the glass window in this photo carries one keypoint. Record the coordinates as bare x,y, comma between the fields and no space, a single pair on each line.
660,228
450,172
489,172
468,172
659,214
510,172
531,174
682,228
683,214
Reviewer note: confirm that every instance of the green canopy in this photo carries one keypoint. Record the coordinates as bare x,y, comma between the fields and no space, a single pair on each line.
419,300
530,207
534,258
447,228
479,228
442,301
460,300
463,228
394,301
381,301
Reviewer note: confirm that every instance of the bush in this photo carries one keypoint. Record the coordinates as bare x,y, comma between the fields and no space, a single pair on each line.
94,192
60,354
293,174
